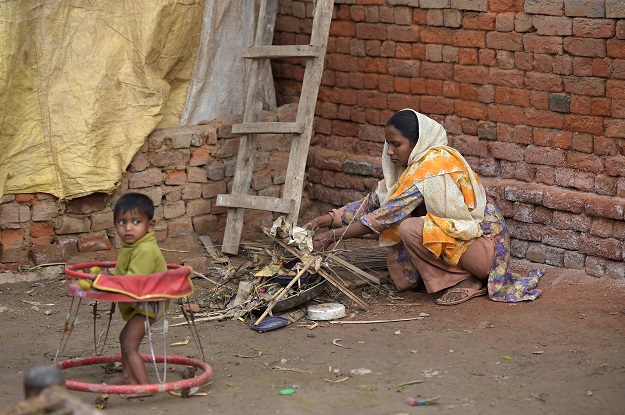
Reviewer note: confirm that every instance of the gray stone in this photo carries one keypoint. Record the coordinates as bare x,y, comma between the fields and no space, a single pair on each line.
560,103
362,168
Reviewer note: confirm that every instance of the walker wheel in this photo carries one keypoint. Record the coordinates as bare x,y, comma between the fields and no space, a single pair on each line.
181,385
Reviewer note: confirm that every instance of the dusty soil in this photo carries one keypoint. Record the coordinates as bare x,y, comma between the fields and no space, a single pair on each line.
561,354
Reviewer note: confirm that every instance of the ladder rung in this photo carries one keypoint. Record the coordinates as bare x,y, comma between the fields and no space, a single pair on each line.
282,51
268,128
272,204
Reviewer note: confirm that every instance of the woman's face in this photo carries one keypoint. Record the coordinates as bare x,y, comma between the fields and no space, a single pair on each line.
399,147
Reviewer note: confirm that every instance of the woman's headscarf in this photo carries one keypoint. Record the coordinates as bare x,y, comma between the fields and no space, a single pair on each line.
454,197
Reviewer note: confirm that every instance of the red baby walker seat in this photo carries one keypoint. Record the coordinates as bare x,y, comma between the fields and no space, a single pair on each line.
137,289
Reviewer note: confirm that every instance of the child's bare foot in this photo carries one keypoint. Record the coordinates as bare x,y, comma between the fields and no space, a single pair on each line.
120,380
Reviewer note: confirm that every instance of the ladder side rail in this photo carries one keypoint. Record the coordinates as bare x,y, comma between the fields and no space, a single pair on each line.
296,167
246,156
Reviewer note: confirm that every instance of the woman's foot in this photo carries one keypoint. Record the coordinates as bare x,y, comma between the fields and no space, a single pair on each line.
463,291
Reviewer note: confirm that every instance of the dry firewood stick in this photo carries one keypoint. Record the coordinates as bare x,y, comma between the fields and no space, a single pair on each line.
275,300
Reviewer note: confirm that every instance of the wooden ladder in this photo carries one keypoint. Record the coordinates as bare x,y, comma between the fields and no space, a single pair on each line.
252,127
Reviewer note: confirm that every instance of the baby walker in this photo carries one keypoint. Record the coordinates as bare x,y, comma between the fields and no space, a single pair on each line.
139,289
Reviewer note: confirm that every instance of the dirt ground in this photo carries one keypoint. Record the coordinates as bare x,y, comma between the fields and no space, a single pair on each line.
561,354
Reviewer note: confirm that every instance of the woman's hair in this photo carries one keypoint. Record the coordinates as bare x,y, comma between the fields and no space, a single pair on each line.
407,123
134,202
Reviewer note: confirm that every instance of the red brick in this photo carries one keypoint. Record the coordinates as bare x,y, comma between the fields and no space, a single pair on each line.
436,70
41,233
506,77
549,7
370,31
522,135
584,86
543,81
543,119
504,6
582,143
468,92
552,25
564,239
469,38
615,89
472,110
584,162
86,204
602,227
470,74
576,222
451,89
601,107
615,48
615,128
618,108
594,28
605,146
436,105
487,57
603,247
524,61
471,146
525,231
506,114
539,100
403,50
543,62
24,197
401,85
12,238
614,166
602,67
504,41
436,35
371,99
92,243
486,21
199,157
563,65
584,124
343,28
486,94
545,156
403,33
580,105
506,151
342,62
564,200
467,56
581,46
182,226
381,65
551,45
509,96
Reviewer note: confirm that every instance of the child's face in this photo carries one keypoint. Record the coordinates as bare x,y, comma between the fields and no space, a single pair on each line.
133,225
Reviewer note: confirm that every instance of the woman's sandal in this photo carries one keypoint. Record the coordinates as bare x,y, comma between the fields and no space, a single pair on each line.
467,292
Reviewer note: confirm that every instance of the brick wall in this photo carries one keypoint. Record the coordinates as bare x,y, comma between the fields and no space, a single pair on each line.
531,92
182,169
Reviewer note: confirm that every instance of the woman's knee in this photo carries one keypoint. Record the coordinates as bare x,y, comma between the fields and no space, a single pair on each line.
411,228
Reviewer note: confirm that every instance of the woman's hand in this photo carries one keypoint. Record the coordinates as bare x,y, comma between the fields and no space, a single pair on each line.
323,221
322,240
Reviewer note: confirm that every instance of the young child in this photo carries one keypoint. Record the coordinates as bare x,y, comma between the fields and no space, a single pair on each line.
139,255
